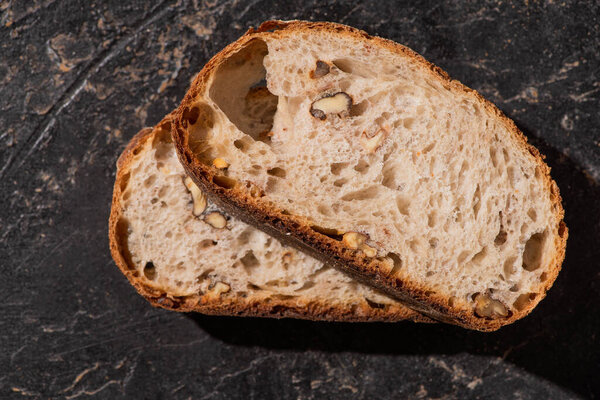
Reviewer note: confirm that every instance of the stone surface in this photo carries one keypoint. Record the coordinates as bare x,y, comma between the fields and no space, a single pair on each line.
79,78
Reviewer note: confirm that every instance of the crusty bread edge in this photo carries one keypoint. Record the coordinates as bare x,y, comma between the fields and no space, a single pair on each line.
215,305
290,229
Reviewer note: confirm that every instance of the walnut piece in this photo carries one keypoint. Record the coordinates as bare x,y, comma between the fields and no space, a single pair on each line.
356,240
216,220
220,163
371,144
337,103
487,307
197,196
217,289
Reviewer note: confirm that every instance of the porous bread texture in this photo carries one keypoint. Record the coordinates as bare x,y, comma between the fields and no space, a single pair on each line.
461,210
174,252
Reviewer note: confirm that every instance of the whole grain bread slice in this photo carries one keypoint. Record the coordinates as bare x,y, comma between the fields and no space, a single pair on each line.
378,163
182,253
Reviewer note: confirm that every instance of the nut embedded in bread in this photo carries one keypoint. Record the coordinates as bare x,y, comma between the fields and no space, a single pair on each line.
452,196
181,252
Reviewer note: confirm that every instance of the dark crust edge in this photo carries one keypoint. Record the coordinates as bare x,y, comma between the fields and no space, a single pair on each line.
293,230
231,306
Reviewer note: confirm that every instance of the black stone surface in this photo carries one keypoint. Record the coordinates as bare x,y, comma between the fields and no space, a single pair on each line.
79,78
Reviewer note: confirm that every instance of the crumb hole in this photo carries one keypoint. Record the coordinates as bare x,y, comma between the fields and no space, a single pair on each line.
524,300
358,109
336,168
224,182
150,181
375,305
343,64
532,214
150,271
362,166
332,233
397,261
249,260
278,172
532,255
403,204
365,194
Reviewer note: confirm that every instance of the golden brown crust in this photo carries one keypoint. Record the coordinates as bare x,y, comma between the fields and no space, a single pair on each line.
230,305
293,230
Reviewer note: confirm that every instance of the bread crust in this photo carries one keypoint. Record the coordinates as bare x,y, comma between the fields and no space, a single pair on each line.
218,305
295,231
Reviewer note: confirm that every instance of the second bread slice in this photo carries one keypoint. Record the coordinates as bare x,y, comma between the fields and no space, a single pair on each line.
182,253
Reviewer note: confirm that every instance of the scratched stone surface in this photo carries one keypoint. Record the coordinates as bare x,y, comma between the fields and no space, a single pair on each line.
80,78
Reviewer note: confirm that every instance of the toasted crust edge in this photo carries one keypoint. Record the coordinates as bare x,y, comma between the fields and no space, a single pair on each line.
213,305
291,230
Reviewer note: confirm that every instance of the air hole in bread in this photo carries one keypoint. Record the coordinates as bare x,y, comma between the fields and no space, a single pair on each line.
494,157
191,114
224,182
532,255
403,204
239,90
340,182
375,305
512,175
271,185
476,201
323,209
244,237
126,195
389,176
150,181
397,263
336,168
332,233
206,243
431,219
162,152
562,228
479,257
532,214
344,65
428,148
307,285
358,109
252,286
124,181
524,300
361,166
501,237
408,122
278,172
463,256
150,271
249,260
365,194
200,132
244,144
276,283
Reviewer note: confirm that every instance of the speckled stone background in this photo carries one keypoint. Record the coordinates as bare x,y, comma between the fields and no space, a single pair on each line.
79,78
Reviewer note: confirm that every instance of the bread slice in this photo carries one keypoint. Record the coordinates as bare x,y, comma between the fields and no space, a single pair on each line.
183,253
378,163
